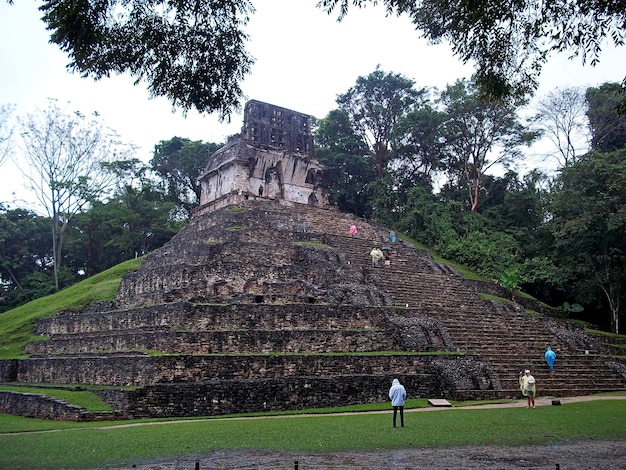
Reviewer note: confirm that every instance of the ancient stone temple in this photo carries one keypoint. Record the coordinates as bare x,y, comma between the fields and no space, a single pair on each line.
272,158
264,302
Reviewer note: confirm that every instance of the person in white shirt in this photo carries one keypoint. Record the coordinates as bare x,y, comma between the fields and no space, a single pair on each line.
397,395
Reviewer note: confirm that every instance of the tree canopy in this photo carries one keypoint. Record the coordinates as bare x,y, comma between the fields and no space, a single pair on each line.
374,105
179,163
192,53
509,41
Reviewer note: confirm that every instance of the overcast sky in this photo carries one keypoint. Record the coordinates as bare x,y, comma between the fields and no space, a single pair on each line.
304,59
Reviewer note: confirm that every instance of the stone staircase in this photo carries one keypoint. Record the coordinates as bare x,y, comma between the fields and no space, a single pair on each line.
503,336
269,307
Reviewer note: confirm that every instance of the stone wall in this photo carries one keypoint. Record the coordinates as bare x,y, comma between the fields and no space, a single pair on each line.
198,317
33,405
272,158
199,386
225,397
220,342
184,328
134,370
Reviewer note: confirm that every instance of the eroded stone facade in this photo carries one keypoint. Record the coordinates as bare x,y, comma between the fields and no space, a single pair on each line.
272,158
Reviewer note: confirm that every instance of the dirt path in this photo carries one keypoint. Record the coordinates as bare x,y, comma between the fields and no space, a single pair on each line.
590,454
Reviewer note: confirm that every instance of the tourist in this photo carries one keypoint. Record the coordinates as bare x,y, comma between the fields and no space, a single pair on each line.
397,395
527,385
392,236
387,256
376,255
550,357
353,231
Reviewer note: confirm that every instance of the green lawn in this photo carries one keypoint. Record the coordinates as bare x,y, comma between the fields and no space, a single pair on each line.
90,446
16,326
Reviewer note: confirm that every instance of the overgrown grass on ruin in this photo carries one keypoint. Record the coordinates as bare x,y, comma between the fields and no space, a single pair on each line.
84,398
98,446
312,244
16,326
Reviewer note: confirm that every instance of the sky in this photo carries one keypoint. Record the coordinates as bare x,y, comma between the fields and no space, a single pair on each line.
304,59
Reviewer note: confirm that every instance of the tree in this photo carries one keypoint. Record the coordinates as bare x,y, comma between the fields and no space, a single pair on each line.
179,163
189,52
348,169
64,155
479,134
588,223
25,256
522,211
561,118
418,147
135,221
6,131
509,41
24,245
375,105
607,118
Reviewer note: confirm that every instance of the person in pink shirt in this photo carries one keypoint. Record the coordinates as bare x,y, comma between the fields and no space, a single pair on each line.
353,231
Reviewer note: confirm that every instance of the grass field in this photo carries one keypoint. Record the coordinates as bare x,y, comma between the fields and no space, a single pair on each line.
77,445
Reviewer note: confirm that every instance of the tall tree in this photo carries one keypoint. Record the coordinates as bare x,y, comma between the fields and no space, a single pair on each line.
179,163
63,162
6,131
375,105
509,41
607,116
561,117
589,222
348,169
418,147
480,134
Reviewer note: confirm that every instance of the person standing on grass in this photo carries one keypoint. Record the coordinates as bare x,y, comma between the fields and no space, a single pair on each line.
529,390
550,357
397,395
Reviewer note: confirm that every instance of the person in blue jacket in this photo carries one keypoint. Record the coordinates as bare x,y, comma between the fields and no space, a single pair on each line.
397,395
550,356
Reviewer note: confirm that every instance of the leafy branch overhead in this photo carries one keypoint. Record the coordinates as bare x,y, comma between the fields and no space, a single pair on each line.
192,53
509,41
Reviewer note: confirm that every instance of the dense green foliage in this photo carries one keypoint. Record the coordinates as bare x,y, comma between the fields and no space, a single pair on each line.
120,445
145,206
179,163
